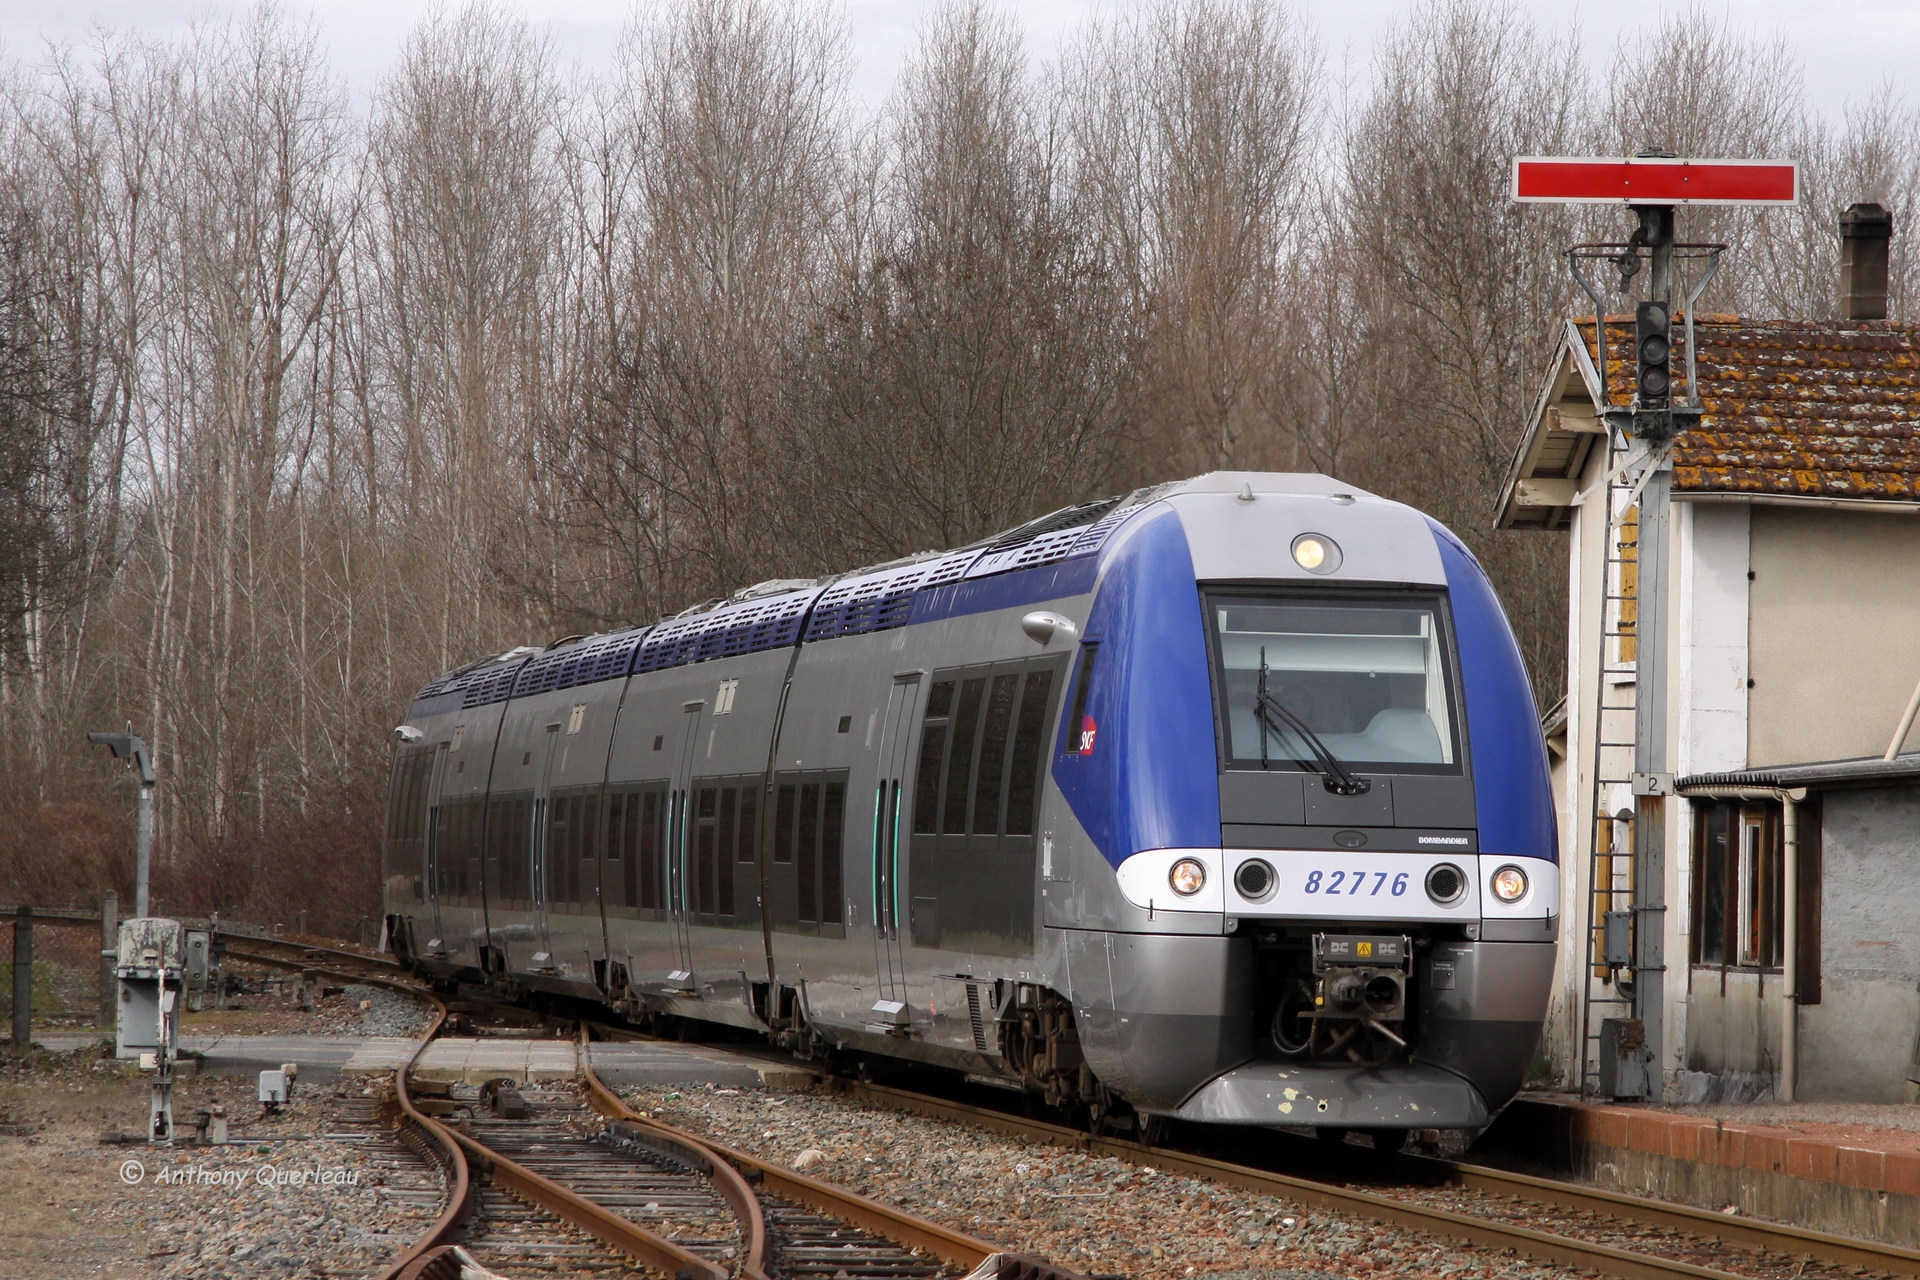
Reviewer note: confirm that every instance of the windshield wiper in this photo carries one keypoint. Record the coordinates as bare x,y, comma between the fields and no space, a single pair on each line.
1267,709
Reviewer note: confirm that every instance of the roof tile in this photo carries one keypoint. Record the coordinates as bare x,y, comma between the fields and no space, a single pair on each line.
1827,409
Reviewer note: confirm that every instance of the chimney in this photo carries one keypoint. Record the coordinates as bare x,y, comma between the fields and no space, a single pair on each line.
1864,232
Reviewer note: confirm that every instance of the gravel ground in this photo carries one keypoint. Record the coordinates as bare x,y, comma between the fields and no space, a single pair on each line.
301,1198
384,1012
67,1211
1095,1214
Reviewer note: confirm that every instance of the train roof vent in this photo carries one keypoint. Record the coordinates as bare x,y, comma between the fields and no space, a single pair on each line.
458,678
475,681
494,686
770,622
596,658
670,643
1074,517
880,601
1053,538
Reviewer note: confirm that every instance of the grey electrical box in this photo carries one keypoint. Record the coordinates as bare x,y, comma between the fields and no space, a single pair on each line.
1624,1068
199,958
1616,937
150,966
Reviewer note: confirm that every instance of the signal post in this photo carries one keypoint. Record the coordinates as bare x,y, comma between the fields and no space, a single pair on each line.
1651,185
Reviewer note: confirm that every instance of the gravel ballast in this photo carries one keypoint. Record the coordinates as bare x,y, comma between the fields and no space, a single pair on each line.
302,1198
1092,1213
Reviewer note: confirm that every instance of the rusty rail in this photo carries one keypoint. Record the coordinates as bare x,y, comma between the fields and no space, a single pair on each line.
1546,1246
884,1220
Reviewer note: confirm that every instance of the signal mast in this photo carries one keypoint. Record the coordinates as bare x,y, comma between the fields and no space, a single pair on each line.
1651,185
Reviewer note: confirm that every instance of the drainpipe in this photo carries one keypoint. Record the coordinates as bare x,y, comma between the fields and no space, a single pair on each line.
1789,798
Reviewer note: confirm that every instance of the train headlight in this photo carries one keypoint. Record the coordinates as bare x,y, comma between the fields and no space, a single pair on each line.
1187,877
1316,553
1445,883
1509,884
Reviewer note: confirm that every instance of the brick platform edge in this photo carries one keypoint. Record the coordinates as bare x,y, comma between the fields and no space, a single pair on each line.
1764,1172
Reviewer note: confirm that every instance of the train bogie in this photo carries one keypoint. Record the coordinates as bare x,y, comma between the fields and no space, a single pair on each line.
1224,801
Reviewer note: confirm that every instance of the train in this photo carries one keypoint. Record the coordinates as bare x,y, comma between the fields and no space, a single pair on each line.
1224,801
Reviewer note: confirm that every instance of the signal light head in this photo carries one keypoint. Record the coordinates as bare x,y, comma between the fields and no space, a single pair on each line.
1653,348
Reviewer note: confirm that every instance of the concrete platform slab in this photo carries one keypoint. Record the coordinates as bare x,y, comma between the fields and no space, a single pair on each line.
655,1064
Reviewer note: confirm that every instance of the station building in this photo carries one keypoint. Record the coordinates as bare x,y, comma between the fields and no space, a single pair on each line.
1793,652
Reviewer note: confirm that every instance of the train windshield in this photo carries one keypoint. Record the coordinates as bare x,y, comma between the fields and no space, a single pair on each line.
1367,679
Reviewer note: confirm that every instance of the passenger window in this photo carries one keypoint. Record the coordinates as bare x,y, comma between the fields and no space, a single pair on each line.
749,811
650,851
993,755
833,807
783,824
807,865
926,789
1025,780
966,726
940,700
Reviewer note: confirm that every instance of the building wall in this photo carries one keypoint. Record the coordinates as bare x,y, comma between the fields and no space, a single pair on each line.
1856,1044
1833,632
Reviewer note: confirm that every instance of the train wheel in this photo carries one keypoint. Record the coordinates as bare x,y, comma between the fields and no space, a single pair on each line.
1150,1130
1388,1141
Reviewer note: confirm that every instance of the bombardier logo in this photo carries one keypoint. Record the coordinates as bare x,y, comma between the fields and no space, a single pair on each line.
1443,840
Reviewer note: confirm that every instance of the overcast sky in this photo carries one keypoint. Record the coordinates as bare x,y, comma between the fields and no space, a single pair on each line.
1846,47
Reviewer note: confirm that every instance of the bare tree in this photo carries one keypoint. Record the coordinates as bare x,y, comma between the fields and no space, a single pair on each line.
964,374
1189,124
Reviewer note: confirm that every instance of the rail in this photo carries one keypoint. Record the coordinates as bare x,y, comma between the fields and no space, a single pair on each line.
885,1220
1445,1223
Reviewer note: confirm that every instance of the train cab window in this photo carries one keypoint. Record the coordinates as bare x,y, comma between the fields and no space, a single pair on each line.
960,759
1369,677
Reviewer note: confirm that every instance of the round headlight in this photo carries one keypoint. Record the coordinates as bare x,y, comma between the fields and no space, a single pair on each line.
1509,884
1316,553
1254,878
1187,877
1445,883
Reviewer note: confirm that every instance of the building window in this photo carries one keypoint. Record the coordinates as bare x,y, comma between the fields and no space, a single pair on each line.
1738,885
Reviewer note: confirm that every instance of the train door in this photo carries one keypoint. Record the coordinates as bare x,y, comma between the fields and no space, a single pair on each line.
538,850
891,797
680,846
436,883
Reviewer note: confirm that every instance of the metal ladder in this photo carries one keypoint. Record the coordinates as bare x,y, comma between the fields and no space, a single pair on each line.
1609,869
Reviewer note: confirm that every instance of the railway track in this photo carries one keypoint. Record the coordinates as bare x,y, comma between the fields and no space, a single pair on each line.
1556,1222
538,1182
553,1194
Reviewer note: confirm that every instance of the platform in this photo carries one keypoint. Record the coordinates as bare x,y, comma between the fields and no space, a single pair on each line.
456,1060
1851,1169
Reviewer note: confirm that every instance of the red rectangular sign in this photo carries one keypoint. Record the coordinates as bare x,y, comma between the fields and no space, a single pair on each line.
1646,180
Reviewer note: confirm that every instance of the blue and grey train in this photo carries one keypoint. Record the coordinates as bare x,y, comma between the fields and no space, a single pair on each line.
1224,801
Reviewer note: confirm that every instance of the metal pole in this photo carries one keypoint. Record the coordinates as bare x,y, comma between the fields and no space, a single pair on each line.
23,978
109,947
142,903
1650,700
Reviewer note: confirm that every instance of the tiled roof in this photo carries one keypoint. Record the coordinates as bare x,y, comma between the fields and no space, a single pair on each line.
1808,408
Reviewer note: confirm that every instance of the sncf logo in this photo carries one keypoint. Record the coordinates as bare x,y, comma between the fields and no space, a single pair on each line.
1087,731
